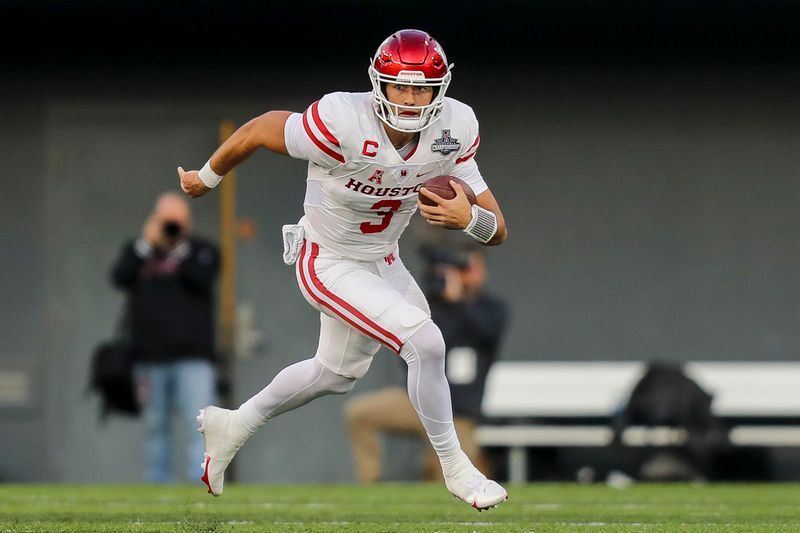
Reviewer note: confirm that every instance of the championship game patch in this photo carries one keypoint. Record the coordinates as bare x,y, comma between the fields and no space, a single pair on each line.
446,144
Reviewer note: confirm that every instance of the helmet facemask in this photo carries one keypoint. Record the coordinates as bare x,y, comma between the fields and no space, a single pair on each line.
392,114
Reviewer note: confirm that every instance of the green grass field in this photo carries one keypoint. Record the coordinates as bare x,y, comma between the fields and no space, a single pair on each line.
540,508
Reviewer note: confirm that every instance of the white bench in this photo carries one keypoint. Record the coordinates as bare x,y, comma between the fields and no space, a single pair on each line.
597,390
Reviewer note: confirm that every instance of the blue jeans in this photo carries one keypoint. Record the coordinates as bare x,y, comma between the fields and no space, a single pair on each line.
181,387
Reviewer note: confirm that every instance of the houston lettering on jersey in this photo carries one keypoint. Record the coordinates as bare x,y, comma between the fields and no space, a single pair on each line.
363,188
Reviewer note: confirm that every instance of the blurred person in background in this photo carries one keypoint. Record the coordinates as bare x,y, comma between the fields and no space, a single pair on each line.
472,324
168,276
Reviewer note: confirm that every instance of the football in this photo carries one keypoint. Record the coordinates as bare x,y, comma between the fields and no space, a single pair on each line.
441,185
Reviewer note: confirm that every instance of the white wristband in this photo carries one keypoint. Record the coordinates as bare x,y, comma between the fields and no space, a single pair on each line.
483,225
207,175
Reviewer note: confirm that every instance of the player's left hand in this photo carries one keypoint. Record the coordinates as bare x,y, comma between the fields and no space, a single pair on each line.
451,214
191,184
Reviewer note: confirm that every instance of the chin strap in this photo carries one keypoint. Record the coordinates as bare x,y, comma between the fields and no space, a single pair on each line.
483,225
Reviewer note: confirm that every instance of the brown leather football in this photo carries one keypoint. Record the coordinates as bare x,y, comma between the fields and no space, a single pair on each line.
441,185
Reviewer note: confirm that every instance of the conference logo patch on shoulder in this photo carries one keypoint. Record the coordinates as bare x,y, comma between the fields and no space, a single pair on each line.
446,144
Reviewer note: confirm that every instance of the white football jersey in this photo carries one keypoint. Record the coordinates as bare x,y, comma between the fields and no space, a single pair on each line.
360,192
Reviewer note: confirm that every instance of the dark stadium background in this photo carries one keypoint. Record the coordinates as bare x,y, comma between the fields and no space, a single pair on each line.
645,154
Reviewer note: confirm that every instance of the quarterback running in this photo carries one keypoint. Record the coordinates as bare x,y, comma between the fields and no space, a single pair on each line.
368,155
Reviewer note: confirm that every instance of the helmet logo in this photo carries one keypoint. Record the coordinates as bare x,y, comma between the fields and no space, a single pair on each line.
446,144
410,75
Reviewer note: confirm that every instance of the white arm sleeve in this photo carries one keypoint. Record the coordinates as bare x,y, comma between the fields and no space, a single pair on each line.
312,135
294,136
469,172
464,165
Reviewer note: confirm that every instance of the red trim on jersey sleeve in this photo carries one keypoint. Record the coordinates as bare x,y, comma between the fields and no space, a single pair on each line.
470,156
465,158
321,125
337,156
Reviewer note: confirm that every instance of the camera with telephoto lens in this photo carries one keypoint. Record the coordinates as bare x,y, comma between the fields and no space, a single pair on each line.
438,259
172,230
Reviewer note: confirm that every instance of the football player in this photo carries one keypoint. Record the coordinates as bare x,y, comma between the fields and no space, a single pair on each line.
368,154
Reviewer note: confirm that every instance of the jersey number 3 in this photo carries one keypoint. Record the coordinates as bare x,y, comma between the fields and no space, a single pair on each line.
386,216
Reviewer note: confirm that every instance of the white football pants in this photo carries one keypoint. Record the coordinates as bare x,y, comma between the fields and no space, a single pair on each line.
363,305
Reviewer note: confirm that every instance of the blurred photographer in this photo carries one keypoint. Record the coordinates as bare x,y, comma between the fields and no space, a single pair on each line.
169,276
472,324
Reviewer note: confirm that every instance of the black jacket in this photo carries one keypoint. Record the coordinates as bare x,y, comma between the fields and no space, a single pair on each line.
170,301
479,325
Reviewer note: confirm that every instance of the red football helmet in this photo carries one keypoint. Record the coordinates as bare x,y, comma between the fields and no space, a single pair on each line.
409,57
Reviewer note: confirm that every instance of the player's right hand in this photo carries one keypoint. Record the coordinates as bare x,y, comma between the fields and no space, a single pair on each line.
191,184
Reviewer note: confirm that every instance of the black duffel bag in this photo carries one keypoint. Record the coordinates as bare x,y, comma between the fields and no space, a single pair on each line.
111,377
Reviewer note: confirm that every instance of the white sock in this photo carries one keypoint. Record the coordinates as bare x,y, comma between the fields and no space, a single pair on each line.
294,386
429,393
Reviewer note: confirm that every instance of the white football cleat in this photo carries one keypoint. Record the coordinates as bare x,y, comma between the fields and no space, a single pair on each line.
473,488
223,433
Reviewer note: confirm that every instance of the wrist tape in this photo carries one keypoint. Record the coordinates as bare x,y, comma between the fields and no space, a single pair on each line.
207,175
483,225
